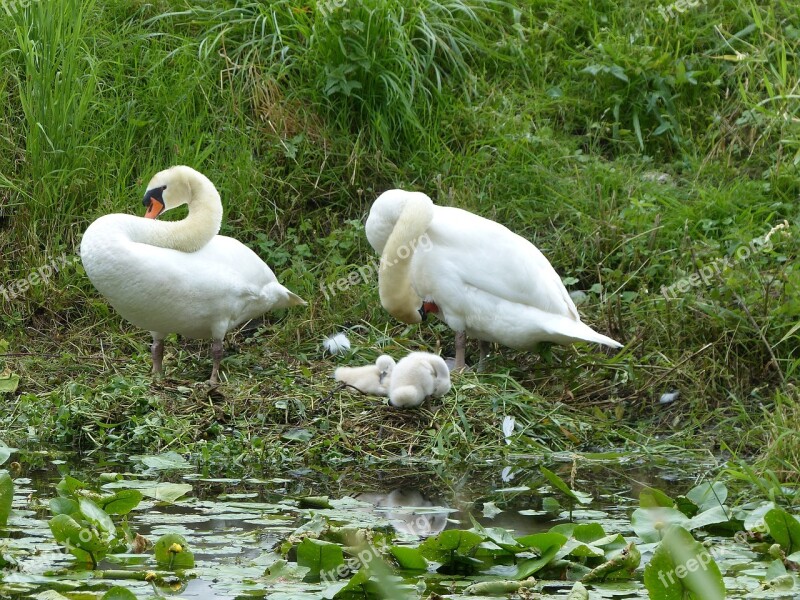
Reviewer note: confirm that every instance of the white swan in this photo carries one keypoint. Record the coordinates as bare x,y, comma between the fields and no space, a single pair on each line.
477,276
179,277
370,379
418,376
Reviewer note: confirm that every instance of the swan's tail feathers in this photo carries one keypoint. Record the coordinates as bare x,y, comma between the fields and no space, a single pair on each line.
606,341
295,300
568,331
277,296
588,334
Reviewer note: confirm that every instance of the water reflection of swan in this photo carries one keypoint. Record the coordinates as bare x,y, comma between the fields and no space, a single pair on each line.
408,511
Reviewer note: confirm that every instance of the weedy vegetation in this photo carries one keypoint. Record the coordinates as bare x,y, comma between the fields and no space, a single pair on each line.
654,162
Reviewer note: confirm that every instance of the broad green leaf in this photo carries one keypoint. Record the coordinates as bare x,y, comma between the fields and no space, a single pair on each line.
681,568
68,486
409,558
9,382
5,453
711,516
122,502
96,516
653,497
49,595
784,529
323,559
63,506
167,460
648,523
528,567
444,547
119,593
298,435
542,541
588,532
82,542
166,492
499,535
172,552
708,494
6,497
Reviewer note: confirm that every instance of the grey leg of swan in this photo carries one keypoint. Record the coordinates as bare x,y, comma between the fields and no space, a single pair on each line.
484,353
216,354
157,352
461,350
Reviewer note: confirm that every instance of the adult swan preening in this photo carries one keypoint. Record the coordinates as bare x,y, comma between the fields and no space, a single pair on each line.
477,276
180,277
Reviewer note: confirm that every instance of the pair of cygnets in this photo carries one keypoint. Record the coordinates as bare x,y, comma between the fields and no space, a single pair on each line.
478,277
407,383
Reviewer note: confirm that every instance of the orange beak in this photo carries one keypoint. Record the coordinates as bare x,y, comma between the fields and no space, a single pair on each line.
154,209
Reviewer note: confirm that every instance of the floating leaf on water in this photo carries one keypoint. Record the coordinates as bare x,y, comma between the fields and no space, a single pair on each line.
166,492
172,552
51,595
119,593
490,510
167,460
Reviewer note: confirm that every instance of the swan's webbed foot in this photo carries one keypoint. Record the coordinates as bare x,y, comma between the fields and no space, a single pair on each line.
157,352
216,355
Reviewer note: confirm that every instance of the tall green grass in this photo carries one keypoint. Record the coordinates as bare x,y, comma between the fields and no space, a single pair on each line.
382,67
56,84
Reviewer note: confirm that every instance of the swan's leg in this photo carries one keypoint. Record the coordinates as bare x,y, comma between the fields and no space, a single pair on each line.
484,354
157,352
216,354
461,351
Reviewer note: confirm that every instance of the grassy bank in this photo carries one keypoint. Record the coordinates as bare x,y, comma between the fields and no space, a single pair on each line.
647,154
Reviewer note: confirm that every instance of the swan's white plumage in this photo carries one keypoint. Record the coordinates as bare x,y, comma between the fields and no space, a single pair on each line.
485,280
418,376
370,379
180,277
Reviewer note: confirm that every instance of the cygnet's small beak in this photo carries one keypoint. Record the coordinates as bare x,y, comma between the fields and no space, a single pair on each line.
154,201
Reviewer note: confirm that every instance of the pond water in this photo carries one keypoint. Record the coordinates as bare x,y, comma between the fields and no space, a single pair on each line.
239,528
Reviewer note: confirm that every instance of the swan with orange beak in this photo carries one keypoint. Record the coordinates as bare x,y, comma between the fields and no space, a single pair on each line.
206,284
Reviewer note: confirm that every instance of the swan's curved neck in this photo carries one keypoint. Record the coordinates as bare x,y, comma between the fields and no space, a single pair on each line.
394,283
200,225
